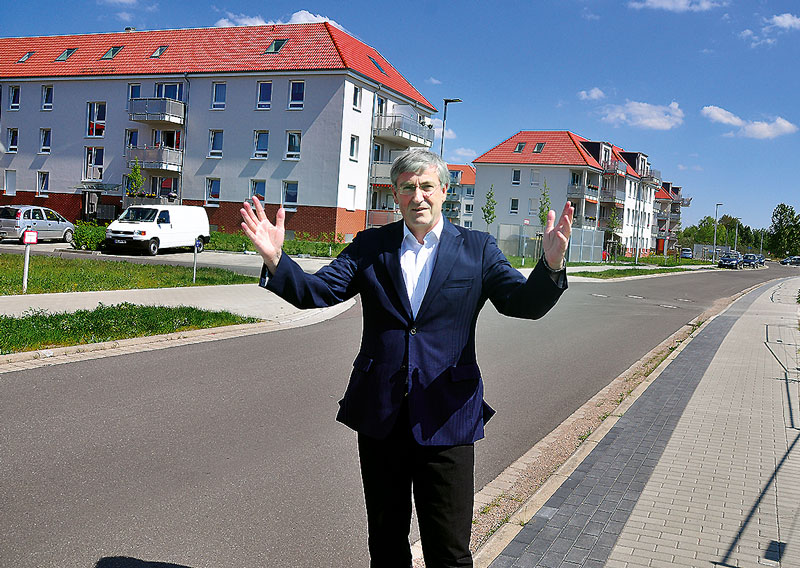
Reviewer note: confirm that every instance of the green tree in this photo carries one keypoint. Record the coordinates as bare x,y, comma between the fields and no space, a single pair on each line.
784,231
136,179
488,210
544,205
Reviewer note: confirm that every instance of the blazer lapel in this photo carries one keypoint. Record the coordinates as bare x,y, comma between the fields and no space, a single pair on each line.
391,259
449,244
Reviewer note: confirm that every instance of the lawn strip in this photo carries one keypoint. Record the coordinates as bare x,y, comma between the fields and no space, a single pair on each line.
623,272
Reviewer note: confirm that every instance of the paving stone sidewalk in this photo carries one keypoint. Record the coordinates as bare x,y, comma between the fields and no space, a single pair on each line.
703,469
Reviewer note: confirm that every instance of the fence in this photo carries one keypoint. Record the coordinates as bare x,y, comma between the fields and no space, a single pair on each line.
585,245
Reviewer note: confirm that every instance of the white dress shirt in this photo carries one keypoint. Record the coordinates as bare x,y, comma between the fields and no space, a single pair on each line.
416,262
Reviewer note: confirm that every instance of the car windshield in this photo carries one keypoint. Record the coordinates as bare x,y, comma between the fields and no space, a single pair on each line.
8,212
728,257
144,214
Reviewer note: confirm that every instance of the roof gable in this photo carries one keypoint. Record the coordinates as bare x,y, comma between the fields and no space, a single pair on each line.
561,147
467,173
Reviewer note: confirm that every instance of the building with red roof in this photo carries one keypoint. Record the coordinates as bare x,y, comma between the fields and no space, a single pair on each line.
303,115
460,200
613,190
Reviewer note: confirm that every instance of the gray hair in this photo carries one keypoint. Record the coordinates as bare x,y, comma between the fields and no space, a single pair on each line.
417,161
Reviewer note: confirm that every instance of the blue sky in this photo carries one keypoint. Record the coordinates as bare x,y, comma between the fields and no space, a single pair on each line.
708,89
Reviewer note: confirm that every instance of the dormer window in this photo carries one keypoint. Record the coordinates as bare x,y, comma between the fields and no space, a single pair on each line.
377,65
112,52
160,51
25,57
276,45
66,53
538,148
519,148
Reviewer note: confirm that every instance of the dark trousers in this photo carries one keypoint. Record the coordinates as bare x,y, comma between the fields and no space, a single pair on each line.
442,481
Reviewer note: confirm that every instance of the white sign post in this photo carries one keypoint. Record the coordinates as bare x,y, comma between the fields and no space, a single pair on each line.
29,238
197,244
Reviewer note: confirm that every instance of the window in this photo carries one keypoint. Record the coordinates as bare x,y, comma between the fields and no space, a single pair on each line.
351,198
297,94
532,206
13,97
66,53
218,95
468,207
354,148
276,45
10,182
43,186
576,178
261,144
44,140
13,140
536,177
293,145
96,123
25,57
160,51
289,194
514,206
94,164
356,97
376,64
169,91
264,95
215,143
167,138
467,224
380,107
519,148
134,90
131,138
212,189
112,52
377,152
47,97
470,191
258,187
538,148
455,177
162,187
515,176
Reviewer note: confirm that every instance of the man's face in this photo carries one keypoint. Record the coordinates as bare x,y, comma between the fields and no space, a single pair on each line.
420,197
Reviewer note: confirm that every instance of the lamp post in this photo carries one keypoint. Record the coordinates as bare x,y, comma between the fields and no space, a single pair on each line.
716,210
736,237
444,122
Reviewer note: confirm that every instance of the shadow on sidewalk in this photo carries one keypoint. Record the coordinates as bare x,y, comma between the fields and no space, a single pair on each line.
128,562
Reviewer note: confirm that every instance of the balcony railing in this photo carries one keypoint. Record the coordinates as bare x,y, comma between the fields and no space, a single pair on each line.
157,109
612,195
403,129
381,173
155,158
380,217
580,190
652,177
615,167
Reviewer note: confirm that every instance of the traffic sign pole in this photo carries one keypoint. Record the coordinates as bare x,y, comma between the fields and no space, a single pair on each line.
29,238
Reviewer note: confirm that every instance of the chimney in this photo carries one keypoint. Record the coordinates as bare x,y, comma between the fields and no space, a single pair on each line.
130,29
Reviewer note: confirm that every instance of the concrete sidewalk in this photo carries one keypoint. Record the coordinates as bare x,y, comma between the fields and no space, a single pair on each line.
702,470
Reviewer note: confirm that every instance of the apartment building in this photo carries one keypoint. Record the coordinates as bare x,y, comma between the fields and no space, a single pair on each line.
303,115
669,201
597,176
459,203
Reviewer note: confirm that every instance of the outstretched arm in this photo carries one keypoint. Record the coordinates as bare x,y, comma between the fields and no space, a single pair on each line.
266,237
556,237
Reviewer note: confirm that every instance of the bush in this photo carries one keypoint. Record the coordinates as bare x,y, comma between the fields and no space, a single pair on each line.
237,242
327,244
88,235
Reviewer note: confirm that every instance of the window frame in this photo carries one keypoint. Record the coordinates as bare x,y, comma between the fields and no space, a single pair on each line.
292,104
96,122
209,185
519,147
289,206
12,90
263,104
253,184
357,95
47,105
354,148
92,151
45,148
112,52
470,191
66,54
212,135
217,104
516,176
12,134
163,87
290,155
538,148
260,154
41,175
511,209
159,51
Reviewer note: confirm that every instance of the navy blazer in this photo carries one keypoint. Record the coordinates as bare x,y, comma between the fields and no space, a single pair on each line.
430,359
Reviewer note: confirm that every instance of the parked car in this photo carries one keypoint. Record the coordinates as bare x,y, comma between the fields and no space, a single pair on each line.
750,261
50,225
686,253
153,227
791,260
761,259
730,260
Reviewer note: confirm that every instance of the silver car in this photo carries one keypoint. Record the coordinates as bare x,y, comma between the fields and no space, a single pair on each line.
15,219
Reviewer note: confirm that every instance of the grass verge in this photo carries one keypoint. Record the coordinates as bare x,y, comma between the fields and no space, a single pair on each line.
49,274
622,272
40,329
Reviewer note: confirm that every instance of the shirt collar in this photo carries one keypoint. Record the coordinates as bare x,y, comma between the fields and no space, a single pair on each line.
435,232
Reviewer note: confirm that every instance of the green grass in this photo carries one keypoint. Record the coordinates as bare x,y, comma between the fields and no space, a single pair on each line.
40,329
622,272
48,274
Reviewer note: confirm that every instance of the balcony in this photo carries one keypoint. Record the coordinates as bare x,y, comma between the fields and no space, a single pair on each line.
157,111
160,159
582,191
653,177
380,173
380,217
612,196
612,167
403,130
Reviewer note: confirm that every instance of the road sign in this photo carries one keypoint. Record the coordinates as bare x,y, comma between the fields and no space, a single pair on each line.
526,222
30,237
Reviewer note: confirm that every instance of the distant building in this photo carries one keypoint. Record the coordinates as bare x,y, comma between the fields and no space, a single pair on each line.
668,216
459,204
302,115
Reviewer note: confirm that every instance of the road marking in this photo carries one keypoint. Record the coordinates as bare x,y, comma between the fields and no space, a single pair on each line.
600,295
635,297
668,306
683,300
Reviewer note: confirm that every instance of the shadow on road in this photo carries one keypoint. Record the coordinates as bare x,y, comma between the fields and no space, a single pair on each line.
127,562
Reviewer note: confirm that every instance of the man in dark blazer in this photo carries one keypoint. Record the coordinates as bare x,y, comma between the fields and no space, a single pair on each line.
415,394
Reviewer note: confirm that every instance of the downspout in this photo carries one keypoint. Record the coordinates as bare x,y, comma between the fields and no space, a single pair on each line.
371,157
185,135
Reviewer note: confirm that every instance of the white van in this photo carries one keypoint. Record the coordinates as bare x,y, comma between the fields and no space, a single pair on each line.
153,227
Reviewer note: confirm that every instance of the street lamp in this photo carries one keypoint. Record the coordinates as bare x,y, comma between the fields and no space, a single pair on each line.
736,237
716,209
444,122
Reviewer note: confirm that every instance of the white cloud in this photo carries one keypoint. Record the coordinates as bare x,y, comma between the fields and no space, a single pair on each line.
644,115
587,14
682,168
785,22
678,5
118,2
467,154
749,128
437,128
433,81
126,17
239,20
594,94
299,17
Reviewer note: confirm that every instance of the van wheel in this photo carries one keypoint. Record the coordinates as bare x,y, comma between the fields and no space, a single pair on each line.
68,236
202,246
152,247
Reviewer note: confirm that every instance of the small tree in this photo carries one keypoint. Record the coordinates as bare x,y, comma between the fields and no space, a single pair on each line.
136,179
614,225
488,210
544,205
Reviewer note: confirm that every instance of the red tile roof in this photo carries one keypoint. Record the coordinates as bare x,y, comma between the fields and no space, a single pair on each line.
561,147
616,151
310,47
467,173
663,194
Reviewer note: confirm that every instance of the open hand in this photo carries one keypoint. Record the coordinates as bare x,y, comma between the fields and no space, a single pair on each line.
556,237
266,237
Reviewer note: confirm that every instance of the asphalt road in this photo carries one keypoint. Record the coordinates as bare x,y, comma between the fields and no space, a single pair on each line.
226,454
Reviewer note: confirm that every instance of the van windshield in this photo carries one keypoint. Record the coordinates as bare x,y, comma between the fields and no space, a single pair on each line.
139,214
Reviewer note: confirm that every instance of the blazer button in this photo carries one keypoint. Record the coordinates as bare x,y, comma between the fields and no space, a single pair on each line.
413,331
